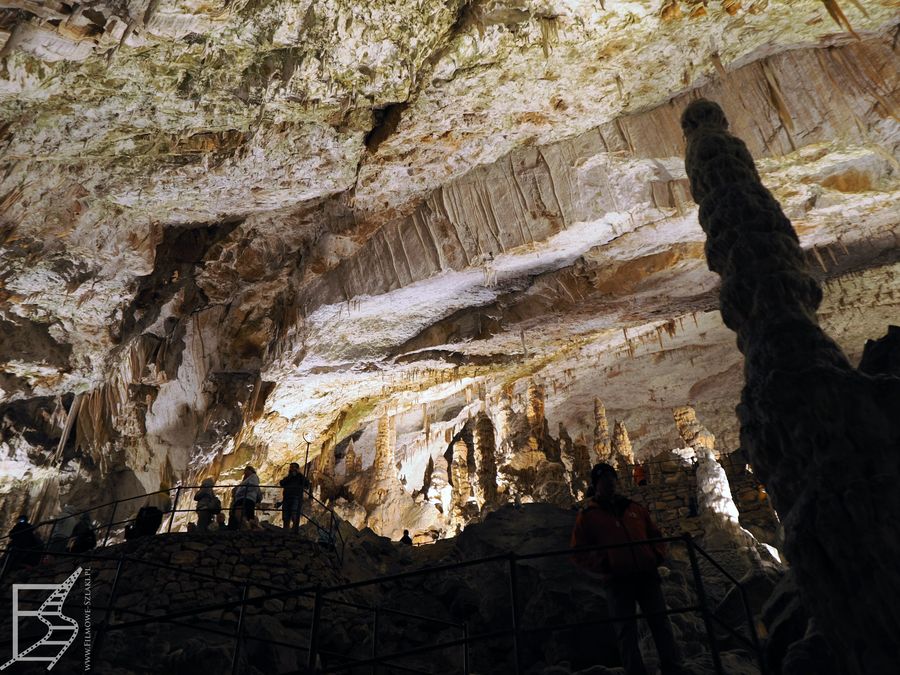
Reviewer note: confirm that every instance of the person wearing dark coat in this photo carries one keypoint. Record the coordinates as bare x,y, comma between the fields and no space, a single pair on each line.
406,539
629,573
208,505
25,548
292,496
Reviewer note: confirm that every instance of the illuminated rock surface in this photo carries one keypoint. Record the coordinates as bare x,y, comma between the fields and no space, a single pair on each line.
227,224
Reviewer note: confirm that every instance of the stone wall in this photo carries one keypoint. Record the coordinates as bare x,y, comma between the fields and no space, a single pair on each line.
672,484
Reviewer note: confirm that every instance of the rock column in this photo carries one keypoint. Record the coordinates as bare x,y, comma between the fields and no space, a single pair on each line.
485,461
822,437
717,508
602,446
384,449
352,462
622,454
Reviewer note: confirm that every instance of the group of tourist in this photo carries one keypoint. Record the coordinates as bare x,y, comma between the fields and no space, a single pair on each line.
74,533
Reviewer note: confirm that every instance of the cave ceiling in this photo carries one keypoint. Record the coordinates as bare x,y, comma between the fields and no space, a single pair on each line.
225,224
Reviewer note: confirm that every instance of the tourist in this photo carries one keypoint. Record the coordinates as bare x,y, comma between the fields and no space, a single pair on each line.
292,497
246,495
25,547
149,516
83,537
628,572
62,530
208,505
406,539
639,475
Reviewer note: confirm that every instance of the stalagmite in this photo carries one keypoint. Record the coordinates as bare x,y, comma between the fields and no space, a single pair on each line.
534,412
621,451
485,461
691,431
602,446
438,490
384,449
822,437
352,462
576,457
717,507
459,473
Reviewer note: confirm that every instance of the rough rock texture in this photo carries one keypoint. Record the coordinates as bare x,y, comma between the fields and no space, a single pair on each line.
823,437
227,224
551,592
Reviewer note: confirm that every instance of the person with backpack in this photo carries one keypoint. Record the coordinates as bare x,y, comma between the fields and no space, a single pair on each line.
629,573
150,515
292,496
246,495
83,537
208,505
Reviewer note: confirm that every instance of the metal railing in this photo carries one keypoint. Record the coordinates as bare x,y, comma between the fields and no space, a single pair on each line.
113,530
322,598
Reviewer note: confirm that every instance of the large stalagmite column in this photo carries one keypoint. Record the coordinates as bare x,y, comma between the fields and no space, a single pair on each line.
621,451
602,446
823,438
352,462
459,475
384,449
717,507
485,460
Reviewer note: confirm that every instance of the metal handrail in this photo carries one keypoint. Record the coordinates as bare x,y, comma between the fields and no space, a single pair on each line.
512,560
332,531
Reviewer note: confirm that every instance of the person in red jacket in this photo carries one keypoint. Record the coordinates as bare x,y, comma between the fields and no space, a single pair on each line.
628,572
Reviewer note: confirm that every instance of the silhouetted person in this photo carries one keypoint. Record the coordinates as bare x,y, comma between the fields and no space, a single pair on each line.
246,495
62,530
25,548
628,572
208,505
406,539
292,497
83,537
639,475
150,515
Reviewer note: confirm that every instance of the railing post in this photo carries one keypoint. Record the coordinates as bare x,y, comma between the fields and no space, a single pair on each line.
375,639
174,508
110,604
704,609
240,627
112,519
465,649
514,599
314,630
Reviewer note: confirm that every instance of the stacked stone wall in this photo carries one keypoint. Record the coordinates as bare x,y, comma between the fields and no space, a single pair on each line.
672,484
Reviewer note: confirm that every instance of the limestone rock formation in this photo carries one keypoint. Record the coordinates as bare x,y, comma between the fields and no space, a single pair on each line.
602,441
824,438
620,449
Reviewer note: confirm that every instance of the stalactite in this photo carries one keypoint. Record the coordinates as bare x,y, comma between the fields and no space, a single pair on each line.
822,437
602,445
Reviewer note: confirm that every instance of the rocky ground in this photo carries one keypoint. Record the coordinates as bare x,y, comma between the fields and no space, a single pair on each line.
551,592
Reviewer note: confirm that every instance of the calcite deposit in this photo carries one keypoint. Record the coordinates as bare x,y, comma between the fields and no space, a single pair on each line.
408,231
823,436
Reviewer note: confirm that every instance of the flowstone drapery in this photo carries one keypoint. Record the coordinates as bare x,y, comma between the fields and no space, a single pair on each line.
823,437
